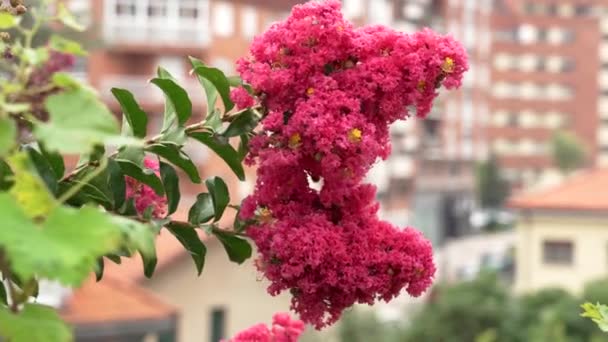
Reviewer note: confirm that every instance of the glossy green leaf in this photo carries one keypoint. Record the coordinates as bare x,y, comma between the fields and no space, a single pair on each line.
177,98
136,117
99,269
7,21
78,121
3,294
143,175
222,149
68,19
243,146
173,154
6,176
8,135
214,120
238,249
55,160
44,168
58,249
35,323
65,45
210,91
202,210
217,78
149,265
171,185
219,195
116,183
242,124
189,238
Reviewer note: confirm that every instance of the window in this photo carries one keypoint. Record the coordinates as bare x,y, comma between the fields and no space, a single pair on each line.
223,19
249,21
527,34
218,324
126,8
558,252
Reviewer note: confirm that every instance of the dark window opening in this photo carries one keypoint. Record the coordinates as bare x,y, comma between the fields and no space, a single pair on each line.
558,252
218,324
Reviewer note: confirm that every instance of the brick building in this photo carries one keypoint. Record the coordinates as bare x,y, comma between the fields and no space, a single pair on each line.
545,78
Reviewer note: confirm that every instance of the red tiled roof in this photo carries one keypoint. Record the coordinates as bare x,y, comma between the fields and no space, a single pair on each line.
112,301
586,191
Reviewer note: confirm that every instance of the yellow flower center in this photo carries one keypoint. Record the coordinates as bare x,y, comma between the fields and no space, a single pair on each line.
421,85
264,215
310,91
355,135
295,140
448,65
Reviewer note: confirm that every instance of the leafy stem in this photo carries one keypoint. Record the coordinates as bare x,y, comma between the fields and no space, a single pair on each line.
84,181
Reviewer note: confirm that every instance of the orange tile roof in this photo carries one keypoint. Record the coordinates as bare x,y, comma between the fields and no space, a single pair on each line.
585,191
112,301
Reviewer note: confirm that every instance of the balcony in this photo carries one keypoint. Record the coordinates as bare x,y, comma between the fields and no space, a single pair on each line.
156,24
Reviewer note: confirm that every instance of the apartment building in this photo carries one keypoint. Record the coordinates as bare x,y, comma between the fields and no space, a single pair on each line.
545,78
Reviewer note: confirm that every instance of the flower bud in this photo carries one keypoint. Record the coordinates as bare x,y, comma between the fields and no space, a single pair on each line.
20,9
5,36
15,3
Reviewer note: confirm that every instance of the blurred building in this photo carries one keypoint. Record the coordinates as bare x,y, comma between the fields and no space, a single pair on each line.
546,77
562,234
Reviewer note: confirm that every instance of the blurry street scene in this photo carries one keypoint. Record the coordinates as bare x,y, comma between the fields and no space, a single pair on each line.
505,176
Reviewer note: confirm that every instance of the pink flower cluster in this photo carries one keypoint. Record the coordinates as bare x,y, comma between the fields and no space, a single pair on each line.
330,92
144,196
58,61
283,329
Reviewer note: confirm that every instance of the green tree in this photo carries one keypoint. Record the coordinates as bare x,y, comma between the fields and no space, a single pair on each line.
462,312
567,151
492,188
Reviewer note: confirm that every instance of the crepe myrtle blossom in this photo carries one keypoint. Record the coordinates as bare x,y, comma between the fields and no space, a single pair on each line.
283,329
329,92
144,197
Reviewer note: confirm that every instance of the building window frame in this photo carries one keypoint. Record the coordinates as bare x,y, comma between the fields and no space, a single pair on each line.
558,252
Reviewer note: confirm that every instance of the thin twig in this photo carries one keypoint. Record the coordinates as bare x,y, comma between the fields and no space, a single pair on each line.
84,181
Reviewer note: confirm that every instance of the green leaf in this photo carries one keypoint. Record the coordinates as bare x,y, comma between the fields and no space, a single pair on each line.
66,17
171,184
64,248
3,294
219,195
214,120
99,269
15,108
217,78
143,175
177,98
138,237
137,118
7,21
238,249
8,135
116,183
35,323
55,161
45,171
65,80
149,265
222,149
177,157
6,176
210,91
29,190
35,56
78,121
202,210
65,45
243,146
242,124
189,238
